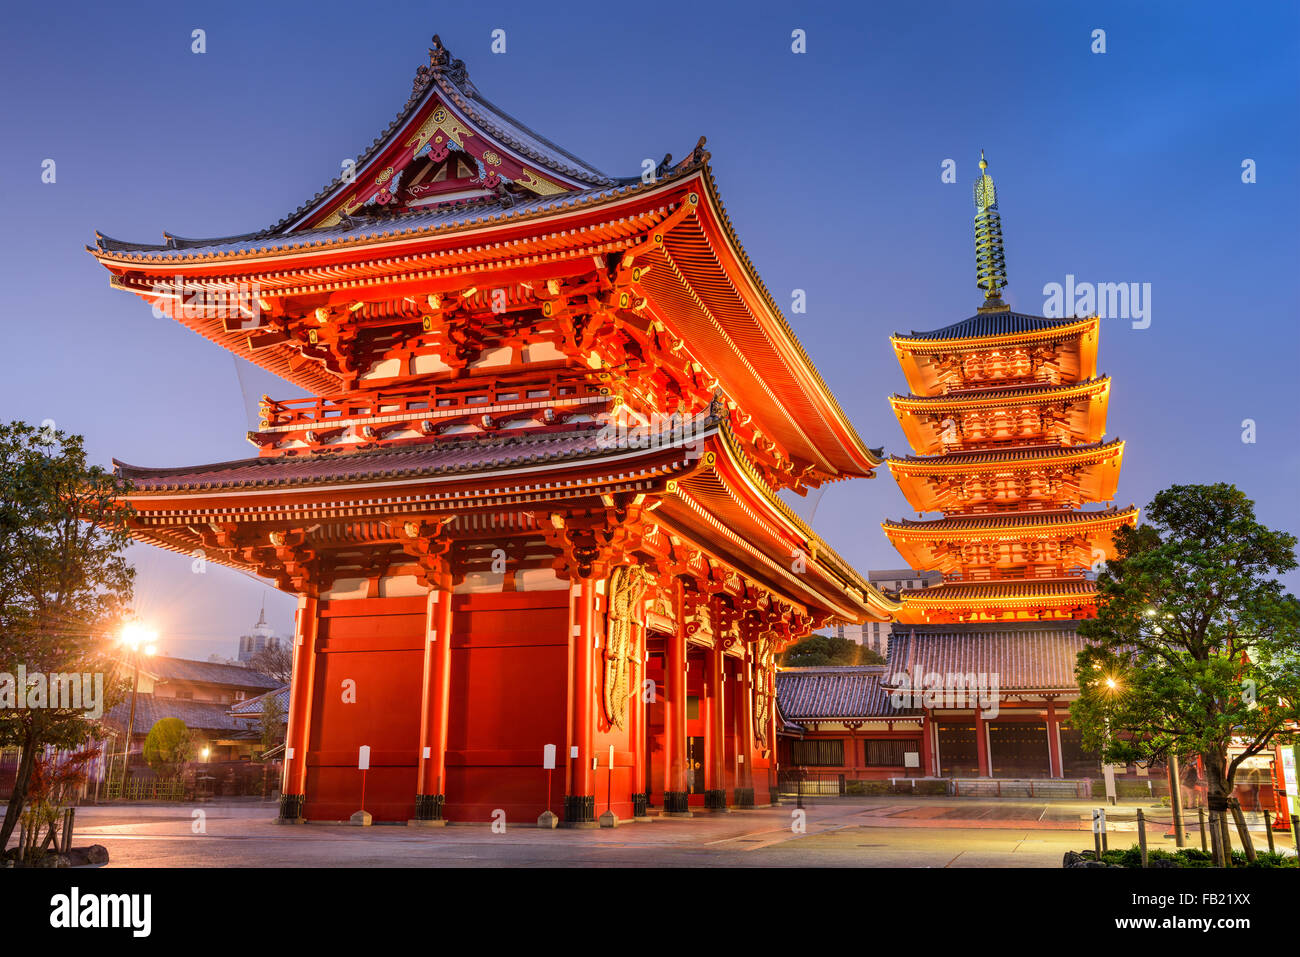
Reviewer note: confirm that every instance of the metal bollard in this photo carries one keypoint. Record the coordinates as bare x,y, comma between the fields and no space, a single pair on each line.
1142,835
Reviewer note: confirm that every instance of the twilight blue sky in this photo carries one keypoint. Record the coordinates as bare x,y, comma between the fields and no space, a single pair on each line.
1115,167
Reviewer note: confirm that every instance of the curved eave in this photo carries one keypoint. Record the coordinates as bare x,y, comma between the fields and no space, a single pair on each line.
1024,527
999,398
861,460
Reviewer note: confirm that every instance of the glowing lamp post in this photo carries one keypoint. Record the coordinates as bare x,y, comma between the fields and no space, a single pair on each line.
137,640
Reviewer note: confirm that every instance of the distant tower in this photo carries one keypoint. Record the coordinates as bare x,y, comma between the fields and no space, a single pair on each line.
262,637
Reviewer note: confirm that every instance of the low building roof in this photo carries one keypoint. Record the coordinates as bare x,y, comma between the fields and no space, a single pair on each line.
252,707
167,668
1036,656
834,693
152,708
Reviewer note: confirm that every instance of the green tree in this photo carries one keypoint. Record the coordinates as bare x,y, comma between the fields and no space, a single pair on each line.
869,656
168,745
820,650
272,723
64,586
1195,642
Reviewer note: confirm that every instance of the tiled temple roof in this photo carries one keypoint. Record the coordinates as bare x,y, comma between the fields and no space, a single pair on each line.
1038,656
426,458
985,456
991,324
446,217
447,78
1008,588
1028,519
1015,393
831,693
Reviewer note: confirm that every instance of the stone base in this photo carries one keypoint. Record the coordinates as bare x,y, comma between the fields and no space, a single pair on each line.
716,800
290,820
291,808
609,819
417,822
428,807
548,820
580,810
361,819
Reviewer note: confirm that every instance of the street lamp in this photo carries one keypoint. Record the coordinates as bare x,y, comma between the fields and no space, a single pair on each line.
137,640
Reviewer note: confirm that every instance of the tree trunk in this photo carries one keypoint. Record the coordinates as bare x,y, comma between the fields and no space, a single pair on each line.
1217,789
1216,840
1243,830
19,796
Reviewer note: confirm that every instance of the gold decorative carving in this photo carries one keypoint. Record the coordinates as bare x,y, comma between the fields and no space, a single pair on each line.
626,586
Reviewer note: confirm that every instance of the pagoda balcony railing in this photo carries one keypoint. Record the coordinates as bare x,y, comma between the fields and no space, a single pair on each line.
1008,382
1035,574
475,396
1050,437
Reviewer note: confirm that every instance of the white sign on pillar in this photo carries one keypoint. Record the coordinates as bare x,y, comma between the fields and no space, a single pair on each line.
363,758
548,757
611,757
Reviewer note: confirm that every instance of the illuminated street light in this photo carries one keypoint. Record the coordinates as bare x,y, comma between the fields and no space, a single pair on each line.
135,634
138,641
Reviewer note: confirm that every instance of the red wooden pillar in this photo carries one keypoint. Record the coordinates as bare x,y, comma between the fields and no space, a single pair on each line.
580,802
676,798
982,744
745,732
293,791
715,794
638,722
1055,765
435,709
773,762
927,752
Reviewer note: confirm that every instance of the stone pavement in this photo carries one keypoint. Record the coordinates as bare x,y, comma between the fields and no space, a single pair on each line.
879,832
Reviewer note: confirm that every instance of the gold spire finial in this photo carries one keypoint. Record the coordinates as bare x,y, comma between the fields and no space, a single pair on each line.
990,260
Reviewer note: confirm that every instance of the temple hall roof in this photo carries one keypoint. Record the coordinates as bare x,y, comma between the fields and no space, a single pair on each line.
834,692
1012,520
1038,656
361,229
968,457
424,459
991,324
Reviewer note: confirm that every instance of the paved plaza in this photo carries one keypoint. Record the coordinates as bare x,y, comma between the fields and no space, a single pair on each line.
868,832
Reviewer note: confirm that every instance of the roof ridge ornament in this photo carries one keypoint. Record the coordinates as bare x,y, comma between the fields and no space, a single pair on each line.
990,259
440,61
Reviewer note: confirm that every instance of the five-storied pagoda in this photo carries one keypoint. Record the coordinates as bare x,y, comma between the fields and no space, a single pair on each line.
1007,418
532,499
